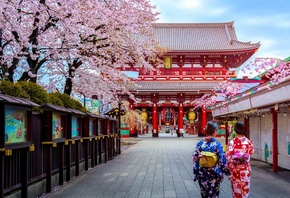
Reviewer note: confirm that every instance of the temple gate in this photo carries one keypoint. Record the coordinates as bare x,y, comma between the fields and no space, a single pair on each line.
200,56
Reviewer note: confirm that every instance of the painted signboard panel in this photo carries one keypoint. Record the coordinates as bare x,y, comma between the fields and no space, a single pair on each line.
75,127
15,125
56,126
124,130
91,127
99,127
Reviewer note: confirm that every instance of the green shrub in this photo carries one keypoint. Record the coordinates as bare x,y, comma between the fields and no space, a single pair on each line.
36,92
12,89
79,106
54,99
66,100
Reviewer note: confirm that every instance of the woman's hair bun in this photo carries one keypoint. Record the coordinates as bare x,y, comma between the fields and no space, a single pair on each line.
211,127
240,128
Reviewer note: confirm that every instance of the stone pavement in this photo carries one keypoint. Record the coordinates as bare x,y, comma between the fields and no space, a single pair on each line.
162,168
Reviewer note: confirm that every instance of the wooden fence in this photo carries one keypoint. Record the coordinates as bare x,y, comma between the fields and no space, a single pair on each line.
51,163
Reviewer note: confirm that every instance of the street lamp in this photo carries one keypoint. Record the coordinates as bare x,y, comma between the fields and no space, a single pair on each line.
119,131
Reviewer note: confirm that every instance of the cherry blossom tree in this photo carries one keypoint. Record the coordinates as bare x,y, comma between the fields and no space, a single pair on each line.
224,90
133,119
274,69
77,46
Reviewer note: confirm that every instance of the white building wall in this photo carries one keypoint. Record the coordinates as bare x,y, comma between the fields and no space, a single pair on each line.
284,140
266,138
261,126
255,136
261,135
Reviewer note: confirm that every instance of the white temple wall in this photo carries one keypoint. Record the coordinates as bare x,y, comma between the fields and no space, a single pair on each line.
284,140
261,135
255,136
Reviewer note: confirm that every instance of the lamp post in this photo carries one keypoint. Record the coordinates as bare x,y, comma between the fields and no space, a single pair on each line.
119,131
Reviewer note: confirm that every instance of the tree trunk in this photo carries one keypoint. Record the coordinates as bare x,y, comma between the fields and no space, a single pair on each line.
68,82
26,77
68,86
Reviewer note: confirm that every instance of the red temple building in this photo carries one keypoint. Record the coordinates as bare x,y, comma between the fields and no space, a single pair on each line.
199,56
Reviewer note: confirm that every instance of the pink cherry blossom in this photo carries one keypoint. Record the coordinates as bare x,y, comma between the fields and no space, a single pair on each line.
275,70
77,46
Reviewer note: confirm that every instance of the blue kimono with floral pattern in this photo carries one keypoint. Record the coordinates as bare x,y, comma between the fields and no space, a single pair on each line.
209,179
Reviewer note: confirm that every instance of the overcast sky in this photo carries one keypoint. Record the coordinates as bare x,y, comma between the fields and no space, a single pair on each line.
264,21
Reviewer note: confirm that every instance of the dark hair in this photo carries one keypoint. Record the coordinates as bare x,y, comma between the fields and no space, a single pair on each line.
211,127
240,128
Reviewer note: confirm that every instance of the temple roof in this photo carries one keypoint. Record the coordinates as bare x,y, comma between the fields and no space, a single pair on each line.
200,37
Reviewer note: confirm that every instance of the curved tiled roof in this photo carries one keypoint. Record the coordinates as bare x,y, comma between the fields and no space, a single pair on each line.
200,37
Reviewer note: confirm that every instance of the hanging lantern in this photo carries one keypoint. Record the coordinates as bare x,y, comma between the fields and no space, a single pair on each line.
144,116
191,116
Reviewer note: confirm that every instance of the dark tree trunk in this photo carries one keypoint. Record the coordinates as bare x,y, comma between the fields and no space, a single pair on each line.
68,86
68,82
26,77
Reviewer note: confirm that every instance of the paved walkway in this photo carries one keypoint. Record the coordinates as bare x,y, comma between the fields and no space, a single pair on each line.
162,168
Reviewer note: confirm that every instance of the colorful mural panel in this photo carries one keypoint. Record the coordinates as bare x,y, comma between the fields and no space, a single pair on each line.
91,127
99,127
56,126
74,127
15,125
124,130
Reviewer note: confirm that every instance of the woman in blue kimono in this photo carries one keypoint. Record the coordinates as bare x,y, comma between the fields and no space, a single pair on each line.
209,179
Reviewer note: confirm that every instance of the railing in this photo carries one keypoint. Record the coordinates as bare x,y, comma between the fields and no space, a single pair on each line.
184,77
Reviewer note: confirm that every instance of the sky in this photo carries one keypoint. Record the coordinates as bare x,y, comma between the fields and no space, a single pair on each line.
264,21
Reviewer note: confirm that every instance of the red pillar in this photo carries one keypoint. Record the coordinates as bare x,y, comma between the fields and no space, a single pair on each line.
180,100
180,127
154,121
275,140
203,121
